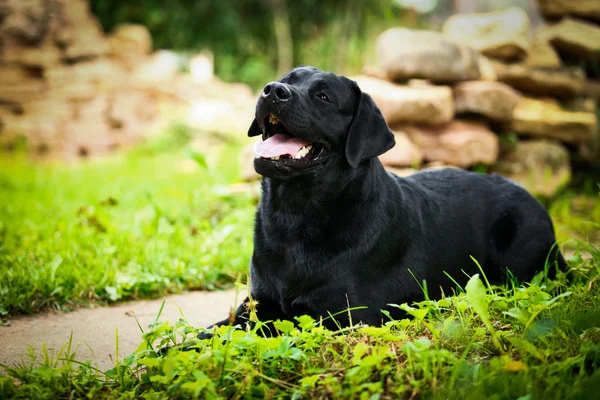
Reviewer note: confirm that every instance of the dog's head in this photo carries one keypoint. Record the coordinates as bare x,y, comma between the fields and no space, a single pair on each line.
310,120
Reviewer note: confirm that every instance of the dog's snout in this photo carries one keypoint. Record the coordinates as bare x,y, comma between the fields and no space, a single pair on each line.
277,91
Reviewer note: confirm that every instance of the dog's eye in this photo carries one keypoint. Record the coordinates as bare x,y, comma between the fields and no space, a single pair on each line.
323,96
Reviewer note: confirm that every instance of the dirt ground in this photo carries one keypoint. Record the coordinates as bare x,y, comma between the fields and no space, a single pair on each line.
94,329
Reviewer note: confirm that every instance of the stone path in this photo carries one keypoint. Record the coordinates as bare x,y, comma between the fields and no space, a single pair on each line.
94,329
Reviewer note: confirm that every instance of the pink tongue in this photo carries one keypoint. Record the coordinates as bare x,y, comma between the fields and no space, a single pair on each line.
279,145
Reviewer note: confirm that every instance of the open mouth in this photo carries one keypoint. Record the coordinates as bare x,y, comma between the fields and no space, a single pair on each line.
279,145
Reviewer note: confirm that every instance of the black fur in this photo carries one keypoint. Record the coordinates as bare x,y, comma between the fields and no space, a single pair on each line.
345,232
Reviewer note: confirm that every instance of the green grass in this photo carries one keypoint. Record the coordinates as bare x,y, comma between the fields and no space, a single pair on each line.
137,225
539,341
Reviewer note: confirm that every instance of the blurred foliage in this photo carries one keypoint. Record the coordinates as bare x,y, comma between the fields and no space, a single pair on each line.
330,34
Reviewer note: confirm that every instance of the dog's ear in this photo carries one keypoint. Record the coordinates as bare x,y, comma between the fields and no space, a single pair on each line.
254,129
369,134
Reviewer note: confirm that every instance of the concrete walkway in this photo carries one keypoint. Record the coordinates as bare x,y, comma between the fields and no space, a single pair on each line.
94,328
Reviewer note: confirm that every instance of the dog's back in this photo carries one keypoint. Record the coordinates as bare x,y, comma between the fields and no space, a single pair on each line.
491,213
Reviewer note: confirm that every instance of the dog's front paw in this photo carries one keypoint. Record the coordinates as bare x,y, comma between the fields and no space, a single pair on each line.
204,335
164,350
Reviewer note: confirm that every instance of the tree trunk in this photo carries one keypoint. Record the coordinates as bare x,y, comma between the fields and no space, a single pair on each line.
283,35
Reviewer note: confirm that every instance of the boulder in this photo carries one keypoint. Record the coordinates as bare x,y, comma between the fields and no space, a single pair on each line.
19,85
129,43
540,166
162,66
78,32
404,54
578,42
373,72
415,104
546,118
495,100
401,172
459,143
41,122
592,89
487,70
43,56
541,53
131,115
562,83
84,80
89,132
24,22
498,34
218,116
403,154
202,67
556,9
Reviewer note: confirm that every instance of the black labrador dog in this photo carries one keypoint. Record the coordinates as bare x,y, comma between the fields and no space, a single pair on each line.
335,230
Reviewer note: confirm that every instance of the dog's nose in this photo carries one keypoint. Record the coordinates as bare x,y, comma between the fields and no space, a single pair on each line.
277,91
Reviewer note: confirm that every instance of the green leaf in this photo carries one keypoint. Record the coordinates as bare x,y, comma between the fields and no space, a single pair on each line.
306,322
477,298
199,158
284,326
310,381
526,347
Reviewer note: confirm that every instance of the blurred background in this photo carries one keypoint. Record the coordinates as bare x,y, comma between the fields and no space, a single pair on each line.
462,83
124,121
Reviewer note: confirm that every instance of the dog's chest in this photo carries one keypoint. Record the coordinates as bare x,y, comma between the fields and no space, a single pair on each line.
287,272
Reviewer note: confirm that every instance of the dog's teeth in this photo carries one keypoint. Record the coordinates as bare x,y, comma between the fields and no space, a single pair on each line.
302,152
275,158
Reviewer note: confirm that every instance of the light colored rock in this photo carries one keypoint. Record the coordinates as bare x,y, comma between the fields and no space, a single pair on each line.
22,90
402,172
24,21
43,56
487,71
541,53
563,83
405,54
592,89
84,80
459,143
498,34
202,67
78,32
494,100
436,165
546,118
42,123
541,166
555,9
162,66
88,133
577,41
374,72
403,154
129,43
416,104
131,115
218,116
10,74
